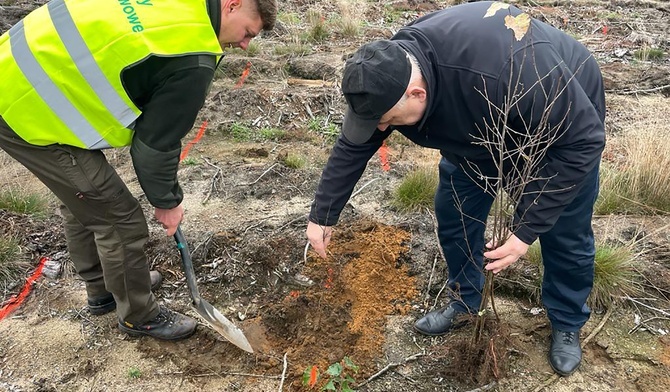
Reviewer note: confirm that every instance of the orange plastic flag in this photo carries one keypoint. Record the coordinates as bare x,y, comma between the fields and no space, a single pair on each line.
313,375
245,73
190,144
384,157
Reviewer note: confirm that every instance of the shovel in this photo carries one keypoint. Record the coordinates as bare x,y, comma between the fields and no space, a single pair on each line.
209,313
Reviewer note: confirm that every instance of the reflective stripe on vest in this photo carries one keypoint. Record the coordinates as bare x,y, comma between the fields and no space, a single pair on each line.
89,69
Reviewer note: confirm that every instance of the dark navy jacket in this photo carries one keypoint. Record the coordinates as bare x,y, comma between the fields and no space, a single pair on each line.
471,64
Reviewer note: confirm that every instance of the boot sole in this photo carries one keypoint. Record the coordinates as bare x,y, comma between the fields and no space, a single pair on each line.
136,333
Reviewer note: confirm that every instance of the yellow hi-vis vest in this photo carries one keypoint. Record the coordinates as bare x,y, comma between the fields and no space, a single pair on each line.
60,67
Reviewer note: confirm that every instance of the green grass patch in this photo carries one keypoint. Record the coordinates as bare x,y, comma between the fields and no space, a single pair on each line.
416,191
614,274
12,265
297,48
614,277
293,161
273,134
323,127
241,132
649,54
22,202
189,161
134,373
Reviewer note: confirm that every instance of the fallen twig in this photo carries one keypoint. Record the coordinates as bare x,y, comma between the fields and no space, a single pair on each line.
304,255
484,388
363,187
663,312
261,176
214,178
437,297
430,282
643,323
643,91
283,374
390,366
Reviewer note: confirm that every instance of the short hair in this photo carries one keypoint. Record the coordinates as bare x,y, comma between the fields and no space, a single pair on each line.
416,75
267,9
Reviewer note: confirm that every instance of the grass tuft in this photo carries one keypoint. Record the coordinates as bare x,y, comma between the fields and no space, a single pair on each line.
273,134
641,183
134,373
12,265
318,31
416,191
293,161
22,202
240,132
649,54
322,126
614,275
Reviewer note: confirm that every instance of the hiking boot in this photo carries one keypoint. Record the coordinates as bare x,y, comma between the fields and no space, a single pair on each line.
441,321
565,353
104,304
168,325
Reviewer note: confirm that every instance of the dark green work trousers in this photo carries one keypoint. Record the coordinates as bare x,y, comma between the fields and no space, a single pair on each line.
104,224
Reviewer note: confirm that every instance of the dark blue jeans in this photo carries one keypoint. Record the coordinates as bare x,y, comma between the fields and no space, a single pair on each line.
568,250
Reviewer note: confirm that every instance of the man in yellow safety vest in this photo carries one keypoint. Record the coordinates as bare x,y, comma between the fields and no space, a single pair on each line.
80,76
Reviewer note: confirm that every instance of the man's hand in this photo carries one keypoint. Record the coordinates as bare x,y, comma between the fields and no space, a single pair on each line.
506,254
319,237
170,218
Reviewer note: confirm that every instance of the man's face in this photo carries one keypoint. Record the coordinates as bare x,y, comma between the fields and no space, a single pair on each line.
408,112
240,22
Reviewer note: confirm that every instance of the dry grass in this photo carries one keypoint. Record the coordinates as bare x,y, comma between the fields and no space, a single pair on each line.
634,177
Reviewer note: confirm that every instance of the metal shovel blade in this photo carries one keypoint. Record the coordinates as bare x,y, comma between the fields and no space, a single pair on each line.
210,314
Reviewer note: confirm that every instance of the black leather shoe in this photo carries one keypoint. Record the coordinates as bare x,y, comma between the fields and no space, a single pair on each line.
441,321
565,353
102,305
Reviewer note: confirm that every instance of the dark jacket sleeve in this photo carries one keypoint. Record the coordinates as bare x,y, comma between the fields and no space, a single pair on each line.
170,92
580,137
345,166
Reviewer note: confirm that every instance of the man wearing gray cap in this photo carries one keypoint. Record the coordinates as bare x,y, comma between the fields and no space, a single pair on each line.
439,82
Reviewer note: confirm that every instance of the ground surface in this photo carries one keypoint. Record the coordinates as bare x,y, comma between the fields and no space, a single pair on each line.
245,223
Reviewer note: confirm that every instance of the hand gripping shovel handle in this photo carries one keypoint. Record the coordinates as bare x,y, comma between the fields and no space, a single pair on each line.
210,314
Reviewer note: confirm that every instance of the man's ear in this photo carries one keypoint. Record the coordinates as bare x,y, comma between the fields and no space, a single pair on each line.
230,6
417,92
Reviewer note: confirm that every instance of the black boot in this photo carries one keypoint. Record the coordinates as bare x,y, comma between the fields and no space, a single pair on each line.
168,325
565,353
104,304
441,321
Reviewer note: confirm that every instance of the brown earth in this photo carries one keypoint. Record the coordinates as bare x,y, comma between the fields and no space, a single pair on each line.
245,221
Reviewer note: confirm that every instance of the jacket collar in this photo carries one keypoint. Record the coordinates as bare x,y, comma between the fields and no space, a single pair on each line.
214,10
